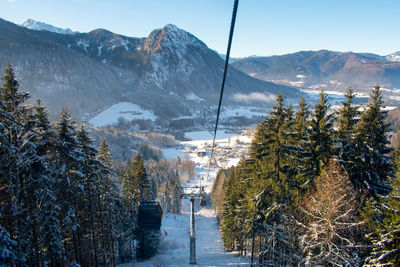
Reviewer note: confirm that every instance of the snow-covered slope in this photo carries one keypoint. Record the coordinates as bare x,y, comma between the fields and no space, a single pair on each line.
41,26
394,57
125,110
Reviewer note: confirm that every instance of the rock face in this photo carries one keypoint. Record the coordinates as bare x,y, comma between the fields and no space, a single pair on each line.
325,69
170,72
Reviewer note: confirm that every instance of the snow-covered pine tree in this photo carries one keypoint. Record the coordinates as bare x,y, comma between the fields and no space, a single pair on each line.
50,232
15,213
386,237
7,245
374,169
300,151
109,200
88,195
346,137
67,161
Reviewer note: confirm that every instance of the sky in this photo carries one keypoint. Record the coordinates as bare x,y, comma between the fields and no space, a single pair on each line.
263,27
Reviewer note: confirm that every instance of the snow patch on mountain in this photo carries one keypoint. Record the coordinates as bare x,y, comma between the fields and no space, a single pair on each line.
192,97
125,110
83,43
41,26
99,49
394,57
255,96
240,111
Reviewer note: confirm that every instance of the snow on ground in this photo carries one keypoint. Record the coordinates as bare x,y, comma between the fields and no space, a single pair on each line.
174,249
248,112
193,97
173,152
126,110
206,135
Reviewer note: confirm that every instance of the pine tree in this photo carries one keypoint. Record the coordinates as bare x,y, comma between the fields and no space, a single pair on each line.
16,178
300,150
7,245
321,135
347,139
374,169
67,161
137,181
108,201
12,99
386,237
269,151
45,223
89,195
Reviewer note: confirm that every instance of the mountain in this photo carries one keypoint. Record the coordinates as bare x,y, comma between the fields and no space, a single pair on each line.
41,26
170,72
324,69
394,57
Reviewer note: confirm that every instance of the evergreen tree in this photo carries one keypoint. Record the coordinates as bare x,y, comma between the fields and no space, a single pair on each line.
269,152
321,135
300,150
108,201
68,160
45,229
90,191
347,139
386,237
137,181
374,168
7,245
12,98
17,154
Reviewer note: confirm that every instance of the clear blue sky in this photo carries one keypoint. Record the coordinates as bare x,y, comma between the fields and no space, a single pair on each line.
264,27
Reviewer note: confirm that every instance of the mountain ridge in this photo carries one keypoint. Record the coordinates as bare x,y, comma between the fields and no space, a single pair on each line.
324,69
158,72
41,26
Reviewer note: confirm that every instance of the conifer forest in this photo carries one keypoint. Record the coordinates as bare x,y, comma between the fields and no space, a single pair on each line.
319,187
64,202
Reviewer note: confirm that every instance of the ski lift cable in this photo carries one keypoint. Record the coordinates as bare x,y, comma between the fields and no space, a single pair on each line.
228,51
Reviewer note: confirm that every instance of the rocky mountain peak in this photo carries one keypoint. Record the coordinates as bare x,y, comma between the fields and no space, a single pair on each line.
172,38
41,26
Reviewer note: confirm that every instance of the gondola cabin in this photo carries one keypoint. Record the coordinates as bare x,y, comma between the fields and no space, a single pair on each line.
150,215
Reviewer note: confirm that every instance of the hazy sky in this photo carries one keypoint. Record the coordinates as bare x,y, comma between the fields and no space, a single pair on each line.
264,27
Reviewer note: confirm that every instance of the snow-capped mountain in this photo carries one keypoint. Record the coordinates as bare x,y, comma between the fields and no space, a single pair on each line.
89,72
394,57
41,26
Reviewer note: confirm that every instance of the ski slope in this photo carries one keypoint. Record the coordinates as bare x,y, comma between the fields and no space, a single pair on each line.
174,249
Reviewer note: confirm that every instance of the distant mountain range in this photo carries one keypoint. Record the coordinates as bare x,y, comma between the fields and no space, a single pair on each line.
170,72
326,70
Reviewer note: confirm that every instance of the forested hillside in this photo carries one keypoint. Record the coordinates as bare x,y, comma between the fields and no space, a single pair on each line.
65,202
318,188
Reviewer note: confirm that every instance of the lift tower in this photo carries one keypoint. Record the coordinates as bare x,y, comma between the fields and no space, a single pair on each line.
193,193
